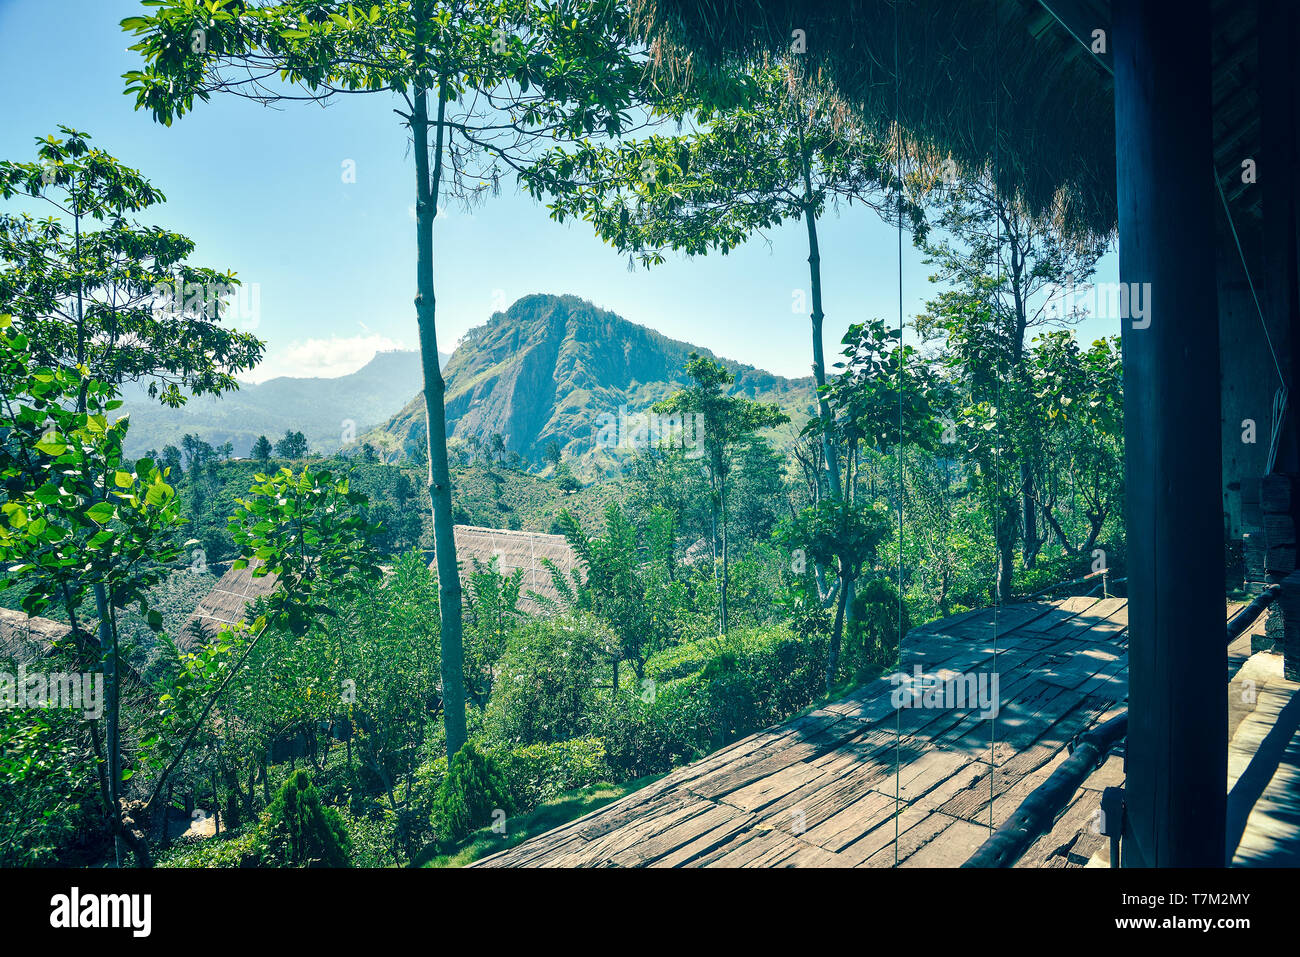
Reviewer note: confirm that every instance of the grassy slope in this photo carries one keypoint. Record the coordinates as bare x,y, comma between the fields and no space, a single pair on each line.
565,808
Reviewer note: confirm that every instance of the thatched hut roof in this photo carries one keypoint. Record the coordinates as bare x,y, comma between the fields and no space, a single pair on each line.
964,74
24,639
226,604
970,85
515,549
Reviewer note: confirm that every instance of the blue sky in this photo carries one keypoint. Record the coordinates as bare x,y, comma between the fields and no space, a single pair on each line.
261,191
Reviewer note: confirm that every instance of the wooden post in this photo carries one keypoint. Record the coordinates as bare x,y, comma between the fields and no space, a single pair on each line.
1177,744
1278,167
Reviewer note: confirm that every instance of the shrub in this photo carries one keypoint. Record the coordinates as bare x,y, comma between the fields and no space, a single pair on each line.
755,679
301,832
545,689
771,675
246,849
685,659
540,772
644,738
871,638
372,839
472,792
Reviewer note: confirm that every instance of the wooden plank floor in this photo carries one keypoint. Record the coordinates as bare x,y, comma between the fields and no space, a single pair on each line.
862,783
1264,766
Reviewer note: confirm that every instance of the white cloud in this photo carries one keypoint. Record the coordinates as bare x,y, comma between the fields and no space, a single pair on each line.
322,358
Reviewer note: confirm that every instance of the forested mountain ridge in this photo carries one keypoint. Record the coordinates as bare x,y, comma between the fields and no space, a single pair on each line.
559,369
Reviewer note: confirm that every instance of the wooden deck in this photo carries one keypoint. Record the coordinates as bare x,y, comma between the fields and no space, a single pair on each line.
1264,766
863,783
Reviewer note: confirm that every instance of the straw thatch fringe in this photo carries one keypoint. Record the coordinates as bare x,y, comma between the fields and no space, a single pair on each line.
1054,136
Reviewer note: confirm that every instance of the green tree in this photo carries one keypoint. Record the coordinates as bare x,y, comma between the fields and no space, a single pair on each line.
76,518
171,460
292,446
309,530
91,286
505,77
197,452
843,533
1078,395
988,426
492,607
725,423
633,592
546,682
564,478
261,450
98,291
1014,265
768,145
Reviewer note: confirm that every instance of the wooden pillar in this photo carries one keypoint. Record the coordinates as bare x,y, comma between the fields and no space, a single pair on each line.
1175,791
1278,168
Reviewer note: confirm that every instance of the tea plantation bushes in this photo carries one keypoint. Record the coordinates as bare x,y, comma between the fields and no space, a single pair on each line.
546,683
724,690
541,772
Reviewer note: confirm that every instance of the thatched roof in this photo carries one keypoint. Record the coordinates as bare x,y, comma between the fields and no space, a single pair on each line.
959,68
1055,119
25,639
226,603
515,549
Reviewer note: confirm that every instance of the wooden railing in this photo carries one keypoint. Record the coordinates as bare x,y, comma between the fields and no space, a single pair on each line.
1038,812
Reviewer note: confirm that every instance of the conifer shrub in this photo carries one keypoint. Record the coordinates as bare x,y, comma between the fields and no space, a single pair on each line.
871,638
471,795
301,832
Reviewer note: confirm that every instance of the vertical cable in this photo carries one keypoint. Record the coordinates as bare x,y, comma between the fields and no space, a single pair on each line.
898,453
997,449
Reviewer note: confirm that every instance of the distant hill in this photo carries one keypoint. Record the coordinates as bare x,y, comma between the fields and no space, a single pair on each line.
317,407
557,368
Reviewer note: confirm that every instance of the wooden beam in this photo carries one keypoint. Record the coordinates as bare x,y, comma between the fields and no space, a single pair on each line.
1079,18
1177,748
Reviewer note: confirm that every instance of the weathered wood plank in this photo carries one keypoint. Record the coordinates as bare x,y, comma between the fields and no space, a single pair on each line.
834,786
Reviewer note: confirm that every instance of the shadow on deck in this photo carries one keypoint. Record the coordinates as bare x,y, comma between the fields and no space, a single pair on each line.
861,782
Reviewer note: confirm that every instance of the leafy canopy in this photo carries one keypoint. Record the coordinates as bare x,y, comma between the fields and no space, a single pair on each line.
92,286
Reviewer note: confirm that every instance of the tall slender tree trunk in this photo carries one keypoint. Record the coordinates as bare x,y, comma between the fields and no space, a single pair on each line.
449,591
713,541
837,632
1006,549
1029,509
107,637
113,756
819,352
722,594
